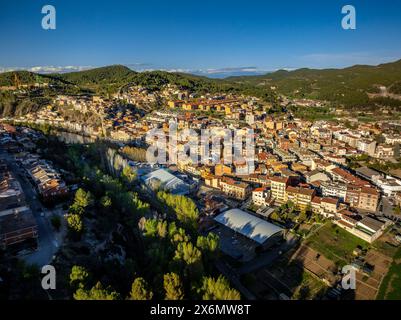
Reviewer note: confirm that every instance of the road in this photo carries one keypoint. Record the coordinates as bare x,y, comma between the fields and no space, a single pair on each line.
47,243
387,209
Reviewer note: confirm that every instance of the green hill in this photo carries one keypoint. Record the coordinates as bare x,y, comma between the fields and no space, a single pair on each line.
24,77
349,86
106,80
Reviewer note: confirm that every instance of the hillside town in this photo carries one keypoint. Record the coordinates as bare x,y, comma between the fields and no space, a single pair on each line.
303,173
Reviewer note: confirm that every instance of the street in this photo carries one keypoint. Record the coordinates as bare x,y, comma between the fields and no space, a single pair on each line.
47,243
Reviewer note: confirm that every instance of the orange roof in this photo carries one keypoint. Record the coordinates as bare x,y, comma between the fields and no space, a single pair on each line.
279,179
316,200
330,200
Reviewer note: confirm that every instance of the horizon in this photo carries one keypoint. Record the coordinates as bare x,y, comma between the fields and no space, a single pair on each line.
215,40
210,73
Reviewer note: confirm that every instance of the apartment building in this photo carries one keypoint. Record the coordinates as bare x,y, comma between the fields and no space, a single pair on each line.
261,196
363,198
235,189
368,199
301,197
278,187
222,169
334,189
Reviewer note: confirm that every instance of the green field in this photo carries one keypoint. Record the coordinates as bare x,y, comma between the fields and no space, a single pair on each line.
335,243
390,288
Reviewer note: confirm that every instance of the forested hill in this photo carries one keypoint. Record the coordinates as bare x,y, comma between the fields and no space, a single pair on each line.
108,80
357,86
349,86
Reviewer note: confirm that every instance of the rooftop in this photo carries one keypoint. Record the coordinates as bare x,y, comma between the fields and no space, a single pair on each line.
248,225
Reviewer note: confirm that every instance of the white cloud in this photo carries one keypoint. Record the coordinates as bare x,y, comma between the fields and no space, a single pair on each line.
47,69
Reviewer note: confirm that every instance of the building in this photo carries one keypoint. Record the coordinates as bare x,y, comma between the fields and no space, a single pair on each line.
366,228
334,189
301,197
329,206
368,174
389,185
368,199
222,169
17,226
344,176
264,233
235,189
212,181
166,181
261,196
316,175
366,146
278,186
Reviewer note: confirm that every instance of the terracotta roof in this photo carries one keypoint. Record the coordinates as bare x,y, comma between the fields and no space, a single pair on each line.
259,190
330,200
279,179
316,200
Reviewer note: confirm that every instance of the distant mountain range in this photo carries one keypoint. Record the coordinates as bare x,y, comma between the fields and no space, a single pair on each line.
353,86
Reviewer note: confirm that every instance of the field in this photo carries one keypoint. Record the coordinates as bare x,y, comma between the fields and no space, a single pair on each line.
336,247
335,243
315,263
390,288
288,277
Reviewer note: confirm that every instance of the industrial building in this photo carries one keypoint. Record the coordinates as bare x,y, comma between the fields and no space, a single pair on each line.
245,234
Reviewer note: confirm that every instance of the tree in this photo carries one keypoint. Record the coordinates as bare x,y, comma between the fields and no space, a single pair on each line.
78,274
397,210
75,223
140,290
188,253
82,198
106,202
76,209
150,228
128,174
173,287
274,216
96,293
209,243
302,216
219,289
188,259
183,207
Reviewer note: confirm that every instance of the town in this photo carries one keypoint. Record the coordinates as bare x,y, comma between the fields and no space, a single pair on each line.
319,193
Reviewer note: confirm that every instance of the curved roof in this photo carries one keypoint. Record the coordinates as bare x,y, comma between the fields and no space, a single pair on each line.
248,225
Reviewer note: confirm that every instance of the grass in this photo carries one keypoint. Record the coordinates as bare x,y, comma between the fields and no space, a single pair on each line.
335,243
390,288
310,288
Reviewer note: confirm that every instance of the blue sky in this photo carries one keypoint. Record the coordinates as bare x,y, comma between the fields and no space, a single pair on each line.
212,36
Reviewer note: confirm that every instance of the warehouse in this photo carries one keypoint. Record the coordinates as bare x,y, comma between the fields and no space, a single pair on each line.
247,231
